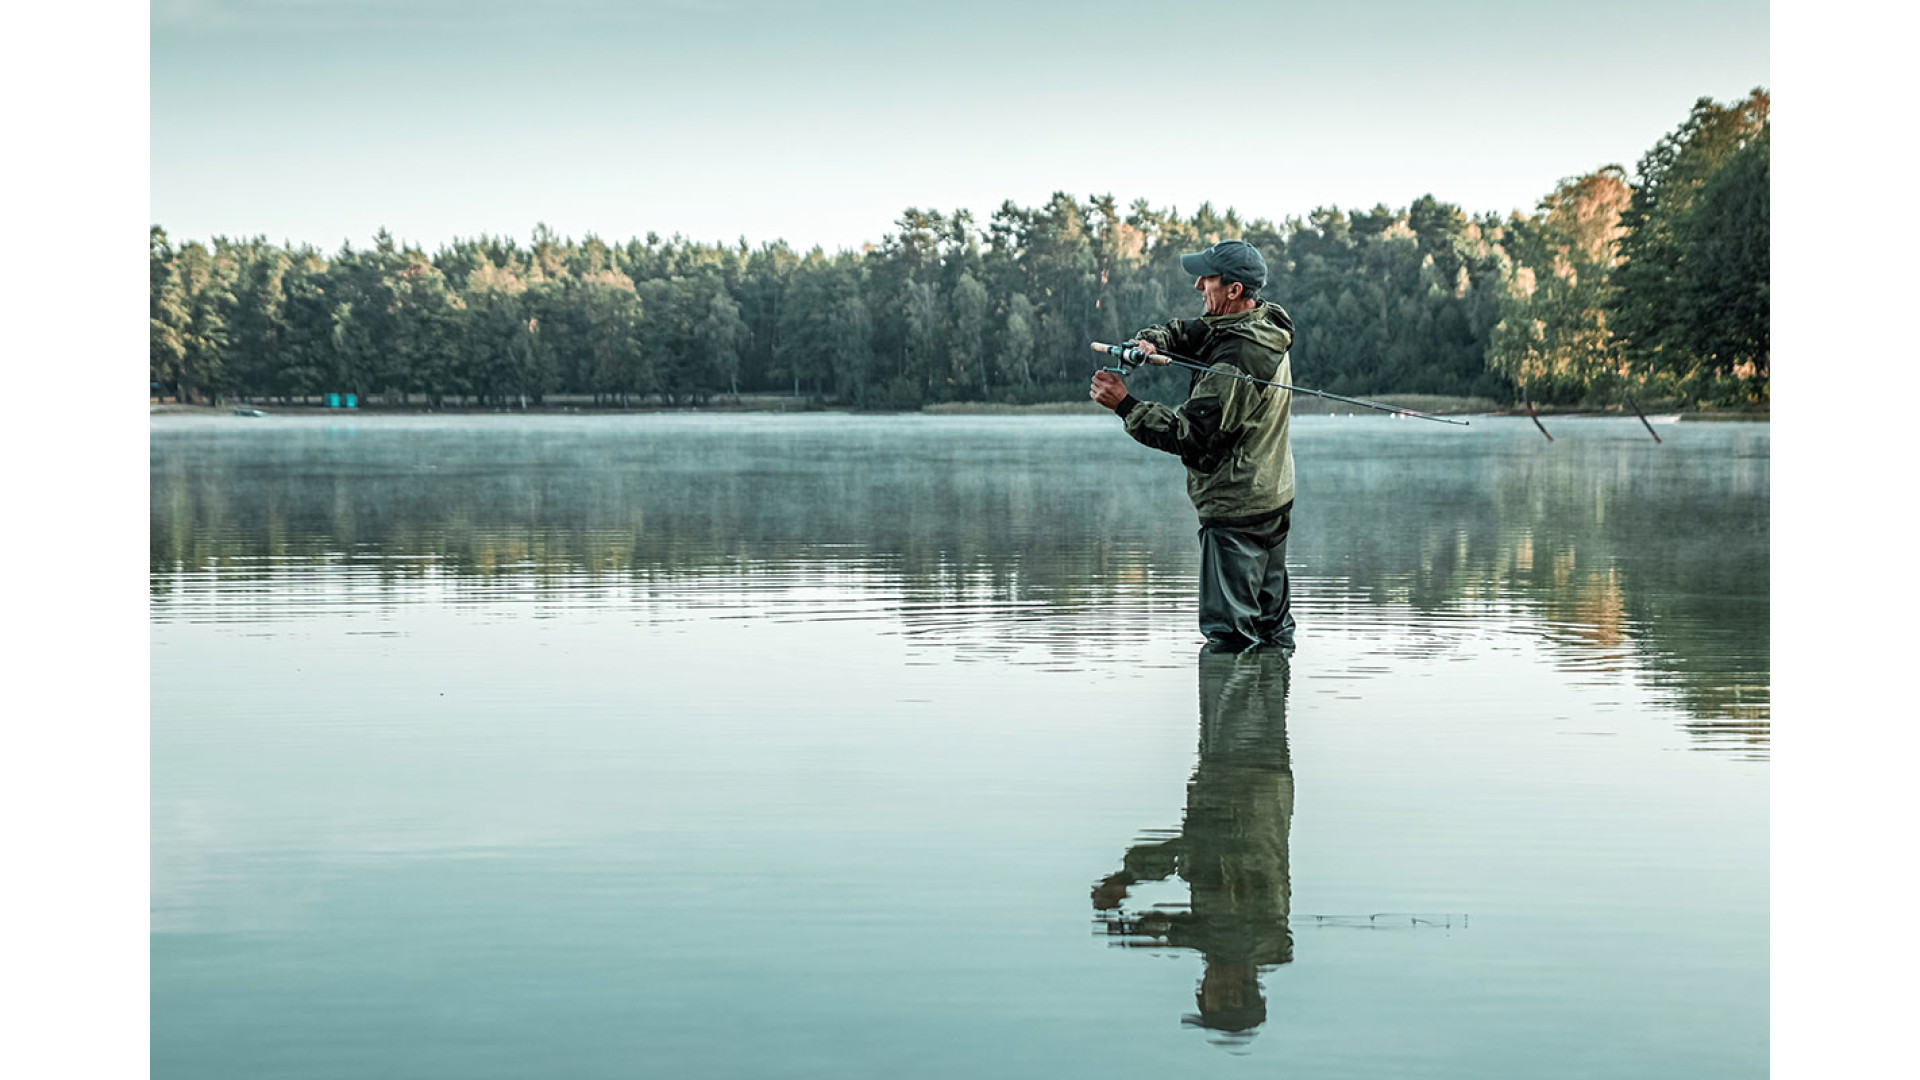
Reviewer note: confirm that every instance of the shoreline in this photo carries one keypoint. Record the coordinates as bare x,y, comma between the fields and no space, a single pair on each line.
1420,403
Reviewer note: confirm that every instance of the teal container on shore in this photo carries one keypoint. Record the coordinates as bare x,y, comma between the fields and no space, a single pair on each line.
333,401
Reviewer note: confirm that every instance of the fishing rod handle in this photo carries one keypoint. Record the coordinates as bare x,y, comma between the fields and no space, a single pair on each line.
1129,353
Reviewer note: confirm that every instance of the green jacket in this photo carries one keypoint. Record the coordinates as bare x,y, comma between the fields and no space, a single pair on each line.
1230,433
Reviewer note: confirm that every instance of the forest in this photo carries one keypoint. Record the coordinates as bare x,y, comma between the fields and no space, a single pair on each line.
1652,284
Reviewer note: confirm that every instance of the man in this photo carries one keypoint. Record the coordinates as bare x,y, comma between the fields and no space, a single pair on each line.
1232,436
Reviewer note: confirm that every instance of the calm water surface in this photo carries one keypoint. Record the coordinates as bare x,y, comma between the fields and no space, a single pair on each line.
840,746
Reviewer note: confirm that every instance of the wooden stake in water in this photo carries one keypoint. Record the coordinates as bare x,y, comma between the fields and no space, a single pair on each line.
1528,398
1643,419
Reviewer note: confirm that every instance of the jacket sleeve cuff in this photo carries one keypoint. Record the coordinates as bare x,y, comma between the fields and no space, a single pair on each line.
1126,406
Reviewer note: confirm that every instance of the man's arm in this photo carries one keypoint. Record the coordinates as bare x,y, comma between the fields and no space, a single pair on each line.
1190,432
1176,335
1146,862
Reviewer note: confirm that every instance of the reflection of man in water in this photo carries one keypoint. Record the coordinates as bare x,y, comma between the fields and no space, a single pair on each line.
1232,847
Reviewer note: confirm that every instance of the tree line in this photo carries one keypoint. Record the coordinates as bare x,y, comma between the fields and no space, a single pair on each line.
1654,285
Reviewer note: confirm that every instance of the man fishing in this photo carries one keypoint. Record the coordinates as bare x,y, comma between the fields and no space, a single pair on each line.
1231,433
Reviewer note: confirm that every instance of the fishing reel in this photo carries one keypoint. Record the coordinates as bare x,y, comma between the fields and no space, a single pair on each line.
1130,357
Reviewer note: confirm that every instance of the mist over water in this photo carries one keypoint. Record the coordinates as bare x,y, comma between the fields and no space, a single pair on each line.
802,745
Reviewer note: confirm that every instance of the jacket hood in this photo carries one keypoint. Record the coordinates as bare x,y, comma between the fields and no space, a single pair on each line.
1268,325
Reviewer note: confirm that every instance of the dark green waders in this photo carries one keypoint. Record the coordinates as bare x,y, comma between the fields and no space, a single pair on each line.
1244,599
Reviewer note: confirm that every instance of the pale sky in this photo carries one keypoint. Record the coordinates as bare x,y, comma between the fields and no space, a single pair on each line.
320,122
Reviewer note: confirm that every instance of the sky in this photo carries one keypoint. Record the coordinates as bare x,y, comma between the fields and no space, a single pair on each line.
818,123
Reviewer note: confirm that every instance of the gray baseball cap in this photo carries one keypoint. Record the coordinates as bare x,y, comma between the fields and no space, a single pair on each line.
1233,260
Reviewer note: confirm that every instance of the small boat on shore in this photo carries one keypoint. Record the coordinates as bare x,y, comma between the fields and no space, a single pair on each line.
245,411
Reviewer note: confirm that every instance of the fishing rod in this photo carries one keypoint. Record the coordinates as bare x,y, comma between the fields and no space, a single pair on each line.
1132,356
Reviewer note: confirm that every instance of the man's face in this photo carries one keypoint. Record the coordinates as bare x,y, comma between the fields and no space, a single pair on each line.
1214,293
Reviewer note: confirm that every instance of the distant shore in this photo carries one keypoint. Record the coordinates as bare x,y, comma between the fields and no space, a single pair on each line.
772,403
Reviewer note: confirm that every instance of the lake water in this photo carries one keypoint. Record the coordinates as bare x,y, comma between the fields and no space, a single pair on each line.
829,746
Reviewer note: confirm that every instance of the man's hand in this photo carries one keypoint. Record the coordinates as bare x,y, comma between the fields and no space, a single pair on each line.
1152,354
1107,389
1113,889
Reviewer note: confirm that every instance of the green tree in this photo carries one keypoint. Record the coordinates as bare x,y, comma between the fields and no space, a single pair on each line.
850,347
971,319
1654,331
802,355
427,329
692,330
206,295
306,353
1723,295
168,313
721,334
1016,351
